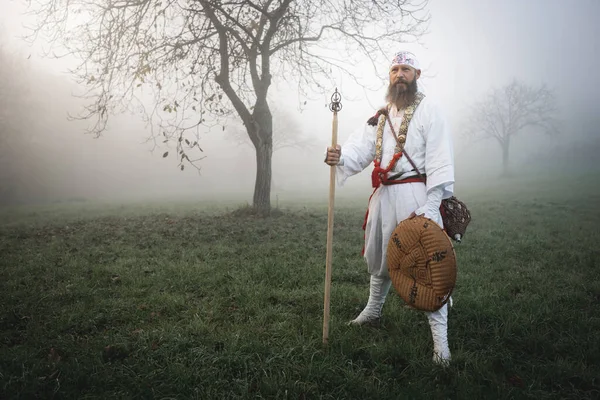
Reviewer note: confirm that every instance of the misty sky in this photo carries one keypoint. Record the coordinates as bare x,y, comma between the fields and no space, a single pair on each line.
472,45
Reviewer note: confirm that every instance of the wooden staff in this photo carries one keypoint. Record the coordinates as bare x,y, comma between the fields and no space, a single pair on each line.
334,106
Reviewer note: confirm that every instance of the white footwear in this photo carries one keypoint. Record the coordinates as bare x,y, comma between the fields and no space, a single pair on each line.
379,287
438,321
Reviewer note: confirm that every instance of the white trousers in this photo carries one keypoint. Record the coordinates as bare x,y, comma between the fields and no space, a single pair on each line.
389,206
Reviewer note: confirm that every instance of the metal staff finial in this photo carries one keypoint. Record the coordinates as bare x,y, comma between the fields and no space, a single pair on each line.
336,102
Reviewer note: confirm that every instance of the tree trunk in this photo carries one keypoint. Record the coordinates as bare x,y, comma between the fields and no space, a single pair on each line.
264,152
262,186
505,148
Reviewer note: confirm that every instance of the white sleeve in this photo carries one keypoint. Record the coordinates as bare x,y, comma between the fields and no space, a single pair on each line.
432,207
357,153
439,154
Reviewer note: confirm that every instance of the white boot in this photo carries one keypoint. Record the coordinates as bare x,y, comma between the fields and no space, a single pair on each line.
438,321
378,291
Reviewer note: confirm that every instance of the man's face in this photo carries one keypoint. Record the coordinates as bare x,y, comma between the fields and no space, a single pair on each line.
403,84
404,76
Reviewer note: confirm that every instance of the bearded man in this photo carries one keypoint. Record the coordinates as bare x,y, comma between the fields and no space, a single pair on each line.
400,192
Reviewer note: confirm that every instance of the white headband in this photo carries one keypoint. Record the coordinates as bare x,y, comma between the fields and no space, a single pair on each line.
405,58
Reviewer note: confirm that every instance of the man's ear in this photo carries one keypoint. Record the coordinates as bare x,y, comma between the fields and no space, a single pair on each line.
418,75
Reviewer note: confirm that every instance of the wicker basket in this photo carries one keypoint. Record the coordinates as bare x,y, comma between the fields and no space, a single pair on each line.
456,217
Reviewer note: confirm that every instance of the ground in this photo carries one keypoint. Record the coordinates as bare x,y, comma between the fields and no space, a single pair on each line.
194,301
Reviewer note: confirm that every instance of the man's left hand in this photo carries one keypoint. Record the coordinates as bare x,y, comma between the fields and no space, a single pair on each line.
413,214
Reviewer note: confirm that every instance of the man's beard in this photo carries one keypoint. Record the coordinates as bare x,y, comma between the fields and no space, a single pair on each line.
402,93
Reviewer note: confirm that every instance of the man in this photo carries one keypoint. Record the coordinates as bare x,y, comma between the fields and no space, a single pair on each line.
400,193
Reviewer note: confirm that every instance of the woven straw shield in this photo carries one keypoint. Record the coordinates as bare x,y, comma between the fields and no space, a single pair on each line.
422,263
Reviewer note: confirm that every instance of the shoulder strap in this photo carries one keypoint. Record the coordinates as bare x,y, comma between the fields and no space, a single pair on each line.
413,164
408,114
401,137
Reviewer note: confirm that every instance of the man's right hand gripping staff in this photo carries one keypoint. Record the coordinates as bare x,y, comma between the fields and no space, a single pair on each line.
332,156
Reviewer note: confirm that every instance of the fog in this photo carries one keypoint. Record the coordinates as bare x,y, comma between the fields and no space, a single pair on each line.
471,47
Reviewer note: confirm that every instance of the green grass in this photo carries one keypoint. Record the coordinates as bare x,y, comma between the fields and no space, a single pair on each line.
186,302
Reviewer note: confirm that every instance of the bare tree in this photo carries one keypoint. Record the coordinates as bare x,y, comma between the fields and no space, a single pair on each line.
13,95
16,107
202,60
507,111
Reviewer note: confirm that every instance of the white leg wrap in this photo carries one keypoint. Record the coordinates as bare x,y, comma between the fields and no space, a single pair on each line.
438,321
379,288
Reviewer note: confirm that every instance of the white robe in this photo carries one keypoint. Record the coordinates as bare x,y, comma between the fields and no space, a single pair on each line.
429,144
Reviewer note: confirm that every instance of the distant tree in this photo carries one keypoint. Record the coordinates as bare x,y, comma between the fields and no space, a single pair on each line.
205,59
16,107
507,111
13,95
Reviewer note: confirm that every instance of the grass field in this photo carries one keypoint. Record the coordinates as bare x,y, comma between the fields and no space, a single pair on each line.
196,302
